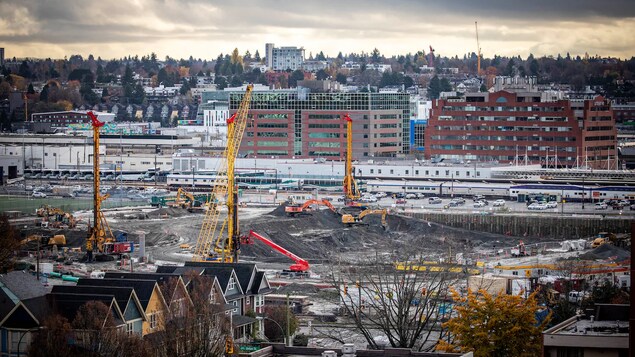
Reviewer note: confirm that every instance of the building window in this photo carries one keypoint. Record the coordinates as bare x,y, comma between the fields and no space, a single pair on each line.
378,171
232,284
235,303
129,328
372,171
153,321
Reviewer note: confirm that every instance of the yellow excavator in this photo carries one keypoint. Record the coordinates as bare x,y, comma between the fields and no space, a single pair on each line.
349,219
58,239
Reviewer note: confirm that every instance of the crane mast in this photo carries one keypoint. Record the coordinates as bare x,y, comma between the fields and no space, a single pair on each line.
351,192
478,47
211,236
100,232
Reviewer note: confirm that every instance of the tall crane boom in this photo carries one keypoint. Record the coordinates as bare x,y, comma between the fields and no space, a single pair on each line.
300,265
478,47
211,236
100,232
351,192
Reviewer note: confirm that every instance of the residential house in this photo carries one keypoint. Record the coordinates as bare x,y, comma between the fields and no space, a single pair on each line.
21,297
126,298
153,301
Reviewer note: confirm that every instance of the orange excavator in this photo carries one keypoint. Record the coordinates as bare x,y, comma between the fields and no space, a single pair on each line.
292,210
299,269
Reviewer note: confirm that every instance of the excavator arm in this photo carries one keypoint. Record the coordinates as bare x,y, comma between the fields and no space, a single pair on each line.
294,209
300,264
351,191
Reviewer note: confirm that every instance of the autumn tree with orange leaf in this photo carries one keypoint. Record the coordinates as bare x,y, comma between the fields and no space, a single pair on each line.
499,325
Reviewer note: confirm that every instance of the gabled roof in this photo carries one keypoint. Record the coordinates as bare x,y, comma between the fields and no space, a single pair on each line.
22,285
143,288
159,279
122,295
245,272
181,271
67,305
261,284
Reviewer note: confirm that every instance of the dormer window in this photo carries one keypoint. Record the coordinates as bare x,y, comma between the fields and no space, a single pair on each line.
232,284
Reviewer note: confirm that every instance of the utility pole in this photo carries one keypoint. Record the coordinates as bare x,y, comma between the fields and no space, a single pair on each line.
288,333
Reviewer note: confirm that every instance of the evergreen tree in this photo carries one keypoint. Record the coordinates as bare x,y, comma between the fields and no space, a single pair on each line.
341,78
257,56
434,88
44,94
30,90
127,77
321,75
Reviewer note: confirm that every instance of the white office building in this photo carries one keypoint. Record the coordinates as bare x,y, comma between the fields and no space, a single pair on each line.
283,58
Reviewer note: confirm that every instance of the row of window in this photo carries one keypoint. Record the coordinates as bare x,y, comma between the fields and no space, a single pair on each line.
472,108
506,128
505,118
504,138
502,147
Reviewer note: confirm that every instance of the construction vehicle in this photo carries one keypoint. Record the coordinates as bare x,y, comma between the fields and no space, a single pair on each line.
187,200
58,240
299,269
351,191
294,209
56,217
478,48
350,219
100,236
212,243
519,250
621,241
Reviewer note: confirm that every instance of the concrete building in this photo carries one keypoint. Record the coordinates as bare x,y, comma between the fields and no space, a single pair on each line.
602,333
1,56
314,66
503,125
284,58
296,123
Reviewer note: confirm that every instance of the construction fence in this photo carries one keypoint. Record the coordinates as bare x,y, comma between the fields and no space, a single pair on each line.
541,226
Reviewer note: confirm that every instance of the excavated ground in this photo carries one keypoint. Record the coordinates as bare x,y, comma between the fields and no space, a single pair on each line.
315,236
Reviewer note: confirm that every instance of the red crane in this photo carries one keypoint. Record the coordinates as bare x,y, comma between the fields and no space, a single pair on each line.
431,57
300,265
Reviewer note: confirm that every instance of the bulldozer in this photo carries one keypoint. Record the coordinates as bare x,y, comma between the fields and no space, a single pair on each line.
56,240
622,241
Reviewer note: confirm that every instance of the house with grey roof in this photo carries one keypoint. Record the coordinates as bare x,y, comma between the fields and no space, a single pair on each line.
22,308
126,298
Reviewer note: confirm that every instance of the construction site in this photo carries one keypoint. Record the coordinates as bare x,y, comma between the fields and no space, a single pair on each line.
299,243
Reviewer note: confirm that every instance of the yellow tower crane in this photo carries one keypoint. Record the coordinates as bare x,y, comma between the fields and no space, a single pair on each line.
100,232
211,237
351,192
478,47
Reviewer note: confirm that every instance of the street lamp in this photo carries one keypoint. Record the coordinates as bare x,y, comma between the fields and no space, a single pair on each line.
284,338
193,167
583,192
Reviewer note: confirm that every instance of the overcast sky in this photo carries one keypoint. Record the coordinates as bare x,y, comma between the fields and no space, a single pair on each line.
205,28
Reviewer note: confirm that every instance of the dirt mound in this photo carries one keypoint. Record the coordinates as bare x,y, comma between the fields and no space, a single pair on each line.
278,211
168,212
297,288
606,251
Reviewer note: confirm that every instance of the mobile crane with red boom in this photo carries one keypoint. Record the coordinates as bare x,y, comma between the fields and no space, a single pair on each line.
299,269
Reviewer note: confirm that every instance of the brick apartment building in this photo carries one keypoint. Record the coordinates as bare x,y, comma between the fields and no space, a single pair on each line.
504,125
300,124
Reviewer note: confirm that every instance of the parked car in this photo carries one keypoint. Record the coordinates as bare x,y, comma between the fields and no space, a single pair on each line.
411,196
537,206
38,194
632,208
401,201
453,203
460,200
601,206
552,204
477,198
499,203
434,200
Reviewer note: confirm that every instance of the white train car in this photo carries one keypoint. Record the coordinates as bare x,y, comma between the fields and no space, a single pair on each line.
436,188
573,192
